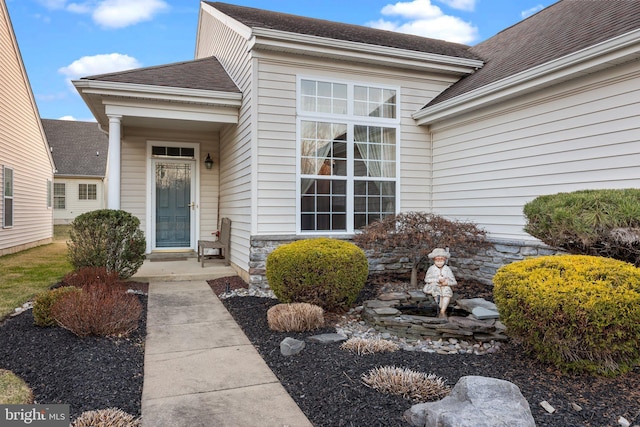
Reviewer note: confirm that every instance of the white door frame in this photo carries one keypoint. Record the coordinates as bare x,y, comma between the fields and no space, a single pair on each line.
151,194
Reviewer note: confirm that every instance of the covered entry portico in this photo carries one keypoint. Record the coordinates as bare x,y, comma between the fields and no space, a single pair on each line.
162,123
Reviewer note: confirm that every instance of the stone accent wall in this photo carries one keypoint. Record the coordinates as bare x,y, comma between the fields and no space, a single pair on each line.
481,267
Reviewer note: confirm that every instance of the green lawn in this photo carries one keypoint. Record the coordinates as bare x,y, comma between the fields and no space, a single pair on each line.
26,273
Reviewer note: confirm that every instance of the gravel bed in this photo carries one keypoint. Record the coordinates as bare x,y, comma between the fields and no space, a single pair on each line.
325,381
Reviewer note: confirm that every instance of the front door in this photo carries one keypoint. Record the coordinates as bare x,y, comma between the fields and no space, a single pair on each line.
174,201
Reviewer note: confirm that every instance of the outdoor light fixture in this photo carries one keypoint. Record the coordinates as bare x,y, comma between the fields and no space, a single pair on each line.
208,162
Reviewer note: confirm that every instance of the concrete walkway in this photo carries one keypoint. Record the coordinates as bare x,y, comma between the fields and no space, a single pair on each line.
200,368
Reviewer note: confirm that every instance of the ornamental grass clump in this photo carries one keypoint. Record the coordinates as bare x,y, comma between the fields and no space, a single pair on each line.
326,272
417,386
111,417
362,346
295,317
577,312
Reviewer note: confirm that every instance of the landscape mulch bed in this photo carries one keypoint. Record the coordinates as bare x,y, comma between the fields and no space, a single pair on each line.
86,373
325,381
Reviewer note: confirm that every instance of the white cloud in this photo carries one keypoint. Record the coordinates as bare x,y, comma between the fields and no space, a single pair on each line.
533,10
122,13
68,118
112,13
99,64
422,18
467,5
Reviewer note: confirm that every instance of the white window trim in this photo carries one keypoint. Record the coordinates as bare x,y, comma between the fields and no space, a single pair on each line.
64,184
350,120
5,197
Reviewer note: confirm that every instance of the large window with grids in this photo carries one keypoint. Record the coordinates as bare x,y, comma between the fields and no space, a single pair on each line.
347,147
59,195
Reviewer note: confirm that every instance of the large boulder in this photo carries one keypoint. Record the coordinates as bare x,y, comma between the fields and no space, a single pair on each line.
475,402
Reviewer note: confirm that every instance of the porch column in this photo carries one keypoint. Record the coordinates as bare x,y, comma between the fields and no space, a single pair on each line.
114,166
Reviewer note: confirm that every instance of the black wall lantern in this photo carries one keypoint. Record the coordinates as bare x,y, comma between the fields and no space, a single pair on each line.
208,162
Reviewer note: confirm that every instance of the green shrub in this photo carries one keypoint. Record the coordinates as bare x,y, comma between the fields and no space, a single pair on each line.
44,301
98,310
589,222
578,312
13,389
326,272
107,238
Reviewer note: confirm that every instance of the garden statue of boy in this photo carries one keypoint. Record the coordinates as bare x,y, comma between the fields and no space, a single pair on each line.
439,279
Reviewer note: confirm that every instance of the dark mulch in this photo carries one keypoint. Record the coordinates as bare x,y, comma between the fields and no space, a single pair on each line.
86,373
325,380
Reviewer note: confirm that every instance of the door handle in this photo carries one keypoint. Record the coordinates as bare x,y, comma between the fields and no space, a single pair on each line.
192,205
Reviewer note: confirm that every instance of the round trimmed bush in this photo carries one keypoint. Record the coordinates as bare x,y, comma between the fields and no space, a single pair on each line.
109,417
326,272
578,312
107,238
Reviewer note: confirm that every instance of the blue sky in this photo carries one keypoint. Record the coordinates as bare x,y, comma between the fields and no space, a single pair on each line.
61,40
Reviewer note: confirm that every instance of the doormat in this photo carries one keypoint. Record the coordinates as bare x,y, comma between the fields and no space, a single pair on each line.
168,259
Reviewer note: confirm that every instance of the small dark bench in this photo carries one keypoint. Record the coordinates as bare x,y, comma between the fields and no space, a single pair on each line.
222,243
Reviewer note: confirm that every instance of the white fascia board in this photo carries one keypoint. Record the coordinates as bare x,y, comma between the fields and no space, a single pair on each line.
602,55
164,93
319,46
153,111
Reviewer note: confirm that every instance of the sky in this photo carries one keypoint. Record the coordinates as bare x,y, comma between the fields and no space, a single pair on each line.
64,40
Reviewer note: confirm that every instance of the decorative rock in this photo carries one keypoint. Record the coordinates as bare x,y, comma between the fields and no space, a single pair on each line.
482,313
386,311
475,402
622,421
576,407
547,407
399,296
471,303
291,346
328,338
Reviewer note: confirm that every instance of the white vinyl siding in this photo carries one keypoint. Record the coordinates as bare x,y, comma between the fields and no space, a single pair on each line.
23,148
237,147
581,135
67,203
277,132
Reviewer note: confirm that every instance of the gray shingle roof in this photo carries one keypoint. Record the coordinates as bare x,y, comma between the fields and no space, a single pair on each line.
258,18
205,73
558,30
75,145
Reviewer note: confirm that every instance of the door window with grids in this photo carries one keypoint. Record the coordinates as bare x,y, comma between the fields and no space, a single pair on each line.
348,141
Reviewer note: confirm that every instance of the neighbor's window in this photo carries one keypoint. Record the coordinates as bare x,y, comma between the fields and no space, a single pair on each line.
59,195
347,149
7,195
87,191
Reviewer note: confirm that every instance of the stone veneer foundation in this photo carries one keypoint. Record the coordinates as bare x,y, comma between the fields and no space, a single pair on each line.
482,267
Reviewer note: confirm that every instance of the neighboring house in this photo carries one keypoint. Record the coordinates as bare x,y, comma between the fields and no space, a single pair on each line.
79,151
26,166
317,128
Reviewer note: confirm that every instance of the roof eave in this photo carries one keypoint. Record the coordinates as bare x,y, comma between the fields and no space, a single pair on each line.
268,39
161,93
602,55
